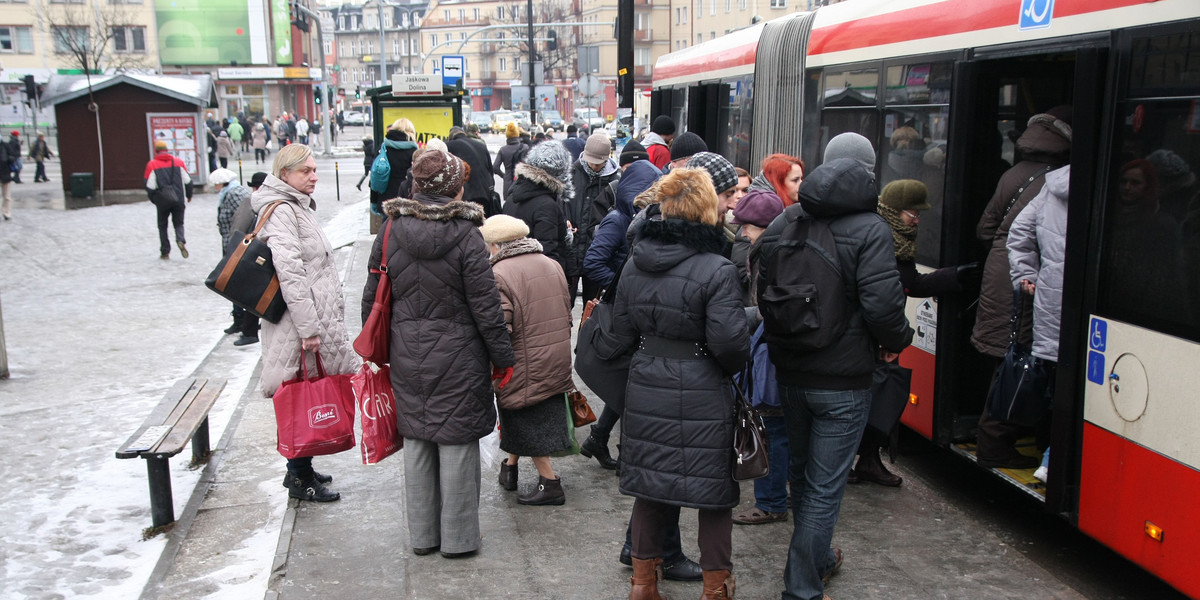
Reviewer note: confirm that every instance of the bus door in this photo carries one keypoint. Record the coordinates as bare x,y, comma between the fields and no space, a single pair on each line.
708,114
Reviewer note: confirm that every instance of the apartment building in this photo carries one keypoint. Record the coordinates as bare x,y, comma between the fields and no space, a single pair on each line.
359,55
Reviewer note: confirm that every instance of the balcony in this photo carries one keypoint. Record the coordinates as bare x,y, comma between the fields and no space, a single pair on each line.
642,35
487,47
643,71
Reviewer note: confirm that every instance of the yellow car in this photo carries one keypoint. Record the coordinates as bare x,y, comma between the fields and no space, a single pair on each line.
501,119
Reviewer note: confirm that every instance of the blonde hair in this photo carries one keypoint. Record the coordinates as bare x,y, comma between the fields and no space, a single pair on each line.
905,138
406,126
688,194
290,158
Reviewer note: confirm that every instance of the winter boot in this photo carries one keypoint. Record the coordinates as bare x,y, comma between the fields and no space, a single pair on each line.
718,585
593,447
644,583
322,478
310,489
870,468
548,491
508,476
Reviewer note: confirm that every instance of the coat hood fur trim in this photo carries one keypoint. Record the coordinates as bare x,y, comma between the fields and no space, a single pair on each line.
455,209
516,248
697,236
544,179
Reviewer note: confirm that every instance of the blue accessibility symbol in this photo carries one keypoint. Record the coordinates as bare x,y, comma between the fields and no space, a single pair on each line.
1098,335
1036,14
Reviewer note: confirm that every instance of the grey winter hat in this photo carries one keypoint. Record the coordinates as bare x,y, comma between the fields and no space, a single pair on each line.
723,175
597,149
551,157
851,145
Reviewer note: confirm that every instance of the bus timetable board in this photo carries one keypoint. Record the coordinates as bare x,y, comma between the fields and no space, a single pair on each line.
432,114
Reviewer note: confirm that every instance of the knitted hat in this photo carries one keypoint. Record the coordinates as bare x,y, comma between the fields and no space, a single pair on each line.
160,145
687,144
905,194
851,145
662,125
633,151
438,173
436,144
223,134
759,207
257,179
1171,168
457,131
498,229
221,176
511,130
598,148
551,157
721,170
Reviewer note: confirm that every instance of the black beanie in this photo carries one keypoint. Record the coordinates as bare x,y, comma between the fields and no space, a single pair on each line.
687,144
663,125
633,151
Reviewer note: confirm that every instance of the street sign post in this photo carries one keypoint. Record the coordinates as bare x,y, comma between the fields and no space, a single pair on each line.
453,68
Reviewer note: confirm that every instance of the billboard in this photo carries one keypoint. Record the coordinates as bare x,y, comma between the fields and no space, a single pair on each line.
429,121
214,32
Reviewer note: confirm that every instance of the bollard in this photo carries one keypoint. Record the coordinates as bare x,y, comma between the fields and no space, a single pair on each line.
240,177
3,348
337,181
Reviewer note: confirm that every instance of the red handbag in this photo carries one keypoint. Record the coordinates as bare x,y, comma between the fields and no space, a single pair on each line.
314,416
372,342
373,391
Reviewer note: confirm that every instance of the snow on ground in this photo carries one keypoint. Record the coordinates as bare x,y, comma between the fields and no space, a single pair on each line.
97,329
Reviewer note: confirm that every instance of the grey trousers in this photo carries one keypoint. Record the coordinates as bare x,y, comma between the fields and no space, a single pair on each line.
441,486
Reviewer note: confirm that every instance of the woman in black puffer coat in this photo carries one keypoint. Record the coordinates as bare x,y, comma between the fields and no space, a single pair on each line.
678,308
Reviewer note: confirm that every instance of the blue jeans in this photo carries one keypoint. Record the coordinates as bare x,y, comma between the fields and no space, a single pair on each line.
770,492
824,428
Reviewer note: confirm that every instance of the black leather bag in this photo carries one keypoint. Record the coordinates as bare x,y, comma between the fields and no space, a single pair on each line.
1020,392
246,275
750,447
890,384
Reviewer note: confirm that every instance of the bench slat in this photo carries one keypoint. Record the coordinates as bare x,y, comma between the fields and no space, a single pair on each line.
190,418
160,414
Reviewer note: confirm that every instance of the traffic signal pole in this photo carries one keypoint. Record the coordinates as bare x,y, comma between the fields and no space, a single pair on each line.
532,70
327,150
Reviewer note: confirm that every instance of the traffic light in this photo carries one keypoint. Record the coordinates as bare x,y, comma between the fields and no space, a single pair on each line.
299,19
317,95
553,43
32,90
358,92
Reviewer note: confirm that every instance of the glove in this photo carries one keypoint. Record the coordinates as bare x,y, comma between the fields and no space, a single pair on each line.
503,375
967,273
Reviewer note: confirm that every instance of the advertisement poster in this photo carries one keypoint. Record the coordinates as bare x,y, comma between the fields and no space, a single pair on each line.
429,121
178,130
215,32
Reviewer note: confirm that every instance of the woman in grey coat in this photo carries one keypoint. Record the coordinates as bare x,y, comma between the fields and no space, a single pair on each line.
678,308
447,337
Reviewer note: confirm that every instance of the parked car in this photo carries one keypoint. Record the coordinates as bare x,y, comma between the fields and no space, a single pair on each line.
552,120
483,119
501,119
522,118
352,117
590,117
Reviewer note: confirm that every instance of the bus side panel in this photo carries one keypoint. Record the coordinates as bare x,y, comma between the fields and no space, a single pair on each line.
1122,486
918,415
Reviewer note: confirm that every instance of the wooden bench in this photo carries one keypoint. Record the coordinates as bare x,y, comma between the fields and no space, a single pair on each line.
182,415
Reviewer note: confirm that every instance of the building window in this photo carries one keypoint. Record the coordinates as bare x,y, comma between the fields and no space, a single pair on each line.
475,13
446,15
462,35
387,19
712,7
712,35
699,38
68,38
432,40
360,48
342,23
16,39
639,21
462,14
743,4
395,47
500,12
503,64
641,57
500,35
328,48
370,47
778,3
685,14
700,8
728,6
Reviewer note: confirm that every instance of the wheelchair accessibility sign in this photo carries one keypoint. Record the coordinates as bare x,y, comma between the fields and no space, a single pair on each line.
1097,344
1036,14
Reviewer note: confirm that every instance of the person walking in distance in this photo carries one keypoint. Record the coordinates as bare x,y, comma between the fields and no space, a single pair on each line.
39,151
170,189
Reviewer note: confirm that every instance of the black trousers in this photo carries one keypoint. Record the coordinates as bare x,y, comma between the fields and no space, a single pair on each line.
590,288
40,175
175,213
650,520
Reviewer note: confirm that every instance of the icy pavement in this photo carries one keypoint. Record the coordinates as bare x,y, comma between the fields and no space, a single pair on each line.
97,329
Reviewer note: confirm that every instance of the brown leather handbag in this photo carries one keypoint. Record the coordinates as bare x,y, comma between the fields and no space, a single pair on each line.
581,412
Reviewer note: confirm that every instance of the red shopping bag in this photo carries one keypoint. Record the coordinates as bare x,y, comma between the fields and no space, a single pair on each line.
373,392
314,416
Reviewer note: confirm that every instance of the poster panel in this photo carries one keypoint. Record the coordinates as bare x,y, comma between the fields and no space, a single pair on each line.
429,121
178,130
212,32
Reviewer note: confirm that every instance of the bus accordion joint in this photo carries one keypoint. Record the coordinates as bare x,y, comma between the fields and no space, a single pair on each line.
1154,531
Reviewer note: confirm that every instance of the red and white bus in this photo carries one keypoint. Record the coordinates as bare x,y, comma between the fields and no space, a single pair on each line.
967,74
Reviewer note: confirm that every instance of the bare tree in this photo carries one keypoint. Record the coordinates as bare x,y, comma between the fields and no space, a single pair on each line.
558,63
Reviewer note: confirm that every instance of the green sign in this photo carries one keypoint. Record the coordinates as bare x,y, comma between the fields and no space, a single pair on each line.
281,21
212,32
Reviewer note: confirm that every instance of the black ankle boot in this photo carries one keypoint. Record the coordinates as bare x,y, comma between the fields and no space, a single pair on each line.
310,489
508,476
592,447
320,477
548,491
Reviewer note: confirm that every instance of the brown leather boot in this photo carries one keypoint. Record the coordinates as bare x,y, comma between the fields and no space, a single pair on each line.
644,583
718,585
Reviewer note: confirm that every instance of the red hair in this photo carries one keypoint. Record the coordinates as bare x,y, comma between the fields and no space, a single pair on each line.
776,168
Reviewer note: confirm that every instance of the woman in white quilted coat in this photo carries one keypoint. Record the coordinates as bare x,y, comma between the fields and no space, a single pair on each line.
316,313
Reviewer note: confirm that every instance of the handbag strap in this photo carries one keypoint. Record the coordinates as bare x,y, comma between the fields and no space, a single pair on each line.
304,364
262,220
387,233
1016,315
1024,186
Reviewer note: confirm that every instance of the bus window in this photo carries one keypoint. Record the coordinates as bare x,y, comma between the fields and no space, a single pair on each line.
850,87
741,107
1148,274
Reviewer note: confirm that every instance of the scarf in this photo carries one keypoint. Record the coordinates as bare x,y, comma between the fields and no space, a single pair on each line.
904,236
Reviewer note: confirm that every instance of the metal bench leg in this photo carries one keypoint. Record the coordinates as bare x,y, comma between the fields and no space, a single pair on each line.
200,443
162,505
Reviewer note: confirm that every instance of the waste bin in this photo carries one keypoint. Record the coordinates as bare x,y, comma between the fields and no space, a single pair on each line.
83,185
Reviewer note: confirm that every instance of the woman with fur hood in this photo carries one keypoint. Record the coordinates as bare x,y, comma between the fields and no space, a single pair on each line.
448,341
533,409
537,197
678,309
308,279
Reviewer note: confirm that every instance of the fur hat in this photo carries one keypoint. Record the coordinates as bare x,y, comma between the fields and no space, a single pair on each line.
851,145
221,176
257,179
551,157
662,125
438,173
905,194
687,144
633,151
759,207
598,148
498,229
511,130
723,175
160,145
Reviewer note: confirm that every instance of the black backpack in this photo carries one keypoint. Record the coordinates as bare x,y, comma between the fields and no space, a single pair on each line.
801,296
